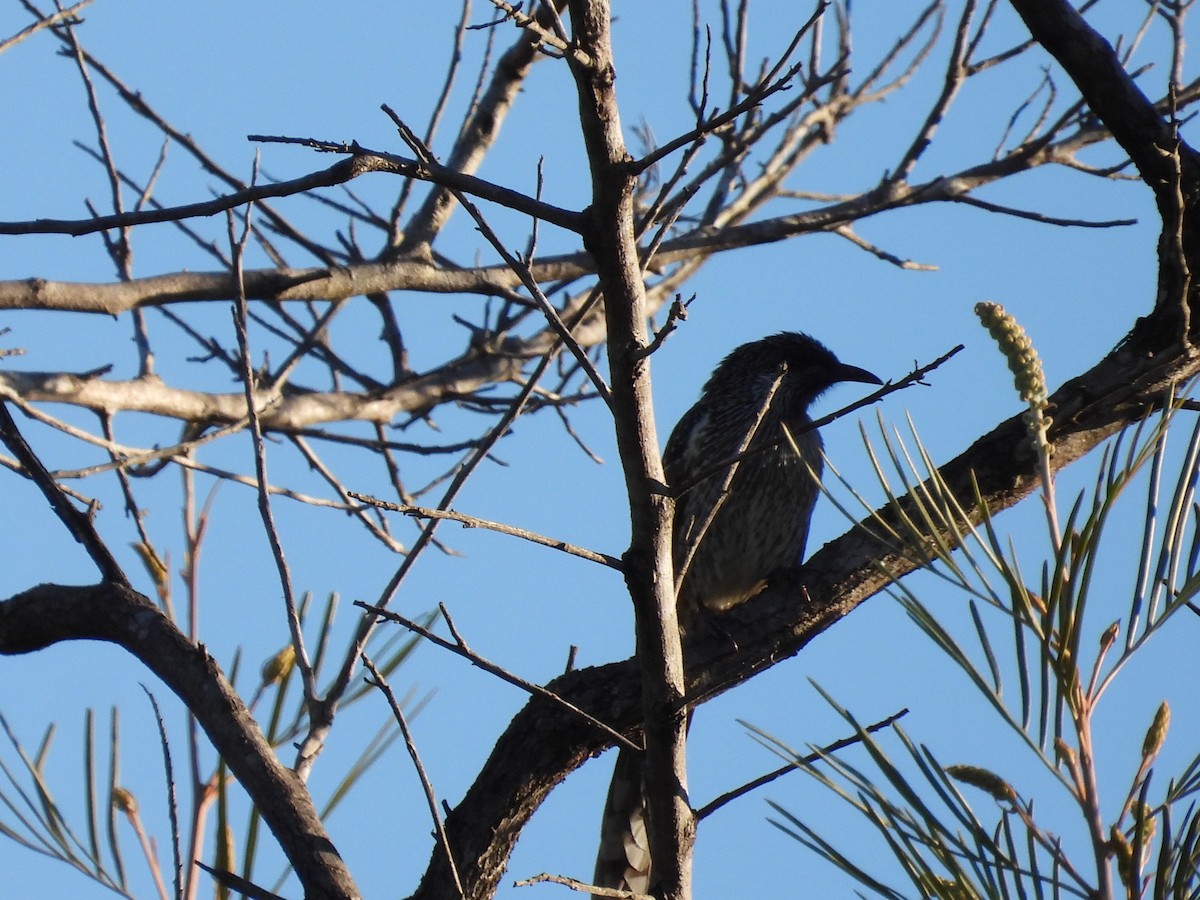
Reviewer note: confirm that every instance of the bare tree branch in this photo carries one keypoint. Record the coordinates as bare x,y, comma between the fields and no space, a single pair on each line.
742,790
49,614
460,646
426,785
360,162
77,523
422,512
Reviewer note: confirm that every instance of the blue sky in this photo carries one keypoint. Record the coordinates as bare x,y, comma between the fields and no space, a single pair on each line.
221,71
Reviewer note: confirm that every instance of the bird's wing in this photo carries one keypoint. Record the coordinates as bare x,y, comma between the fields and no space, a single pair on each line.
680,460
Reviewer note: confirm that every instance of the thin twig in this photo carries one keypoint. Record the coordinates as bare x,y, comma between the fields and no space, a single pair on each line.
132,509
676,314
360,162
425,512
459,646
426,784
439,107
956,75
520,267
118,248
79,524
857,240
583,887
729,796
754,98
342,681
574,435
306,753
61,16
552,38
969,200
333,481
916,376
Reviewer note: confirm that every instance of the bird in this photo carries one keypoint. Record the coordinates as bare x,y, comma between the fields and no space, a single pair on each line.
752,410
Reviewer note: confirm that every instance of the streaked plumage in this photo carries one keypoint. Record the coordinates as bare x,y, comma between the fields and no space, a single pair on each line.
761,526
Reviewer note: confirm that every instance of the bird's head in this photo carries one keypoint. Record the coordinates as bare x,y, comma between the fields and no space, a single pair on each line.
811,367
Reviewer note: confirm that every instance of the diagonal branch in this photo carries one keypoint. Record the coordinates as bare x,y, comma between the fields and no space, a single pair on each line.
1109,90
78,523
423,512
49,613
360,162
410,273
380,682
479,131
809,759
460,647
58,17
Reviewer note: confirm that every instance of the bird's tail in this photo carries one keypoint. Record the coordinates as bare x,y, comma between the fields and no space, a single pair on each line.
623,859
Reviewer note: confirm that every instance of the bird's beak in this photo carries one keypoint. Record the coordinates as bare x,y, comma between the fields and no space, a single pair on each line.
854,373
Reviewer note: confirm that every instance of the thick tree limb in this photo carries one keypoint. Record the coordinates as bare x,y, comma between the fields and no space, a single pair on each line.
1109,90
648,566
51,613
1168,166
287,410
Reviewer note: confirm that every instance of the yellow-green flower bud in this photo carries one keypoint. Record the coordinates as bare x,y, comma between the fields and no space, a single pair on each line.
1124,854
279,666
154,565
984,780
1157,732
1145,824
1110,635
124,801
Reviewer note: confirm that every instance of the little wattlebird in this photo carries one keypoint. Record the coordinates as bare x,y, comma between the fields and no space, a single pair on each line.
752,413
